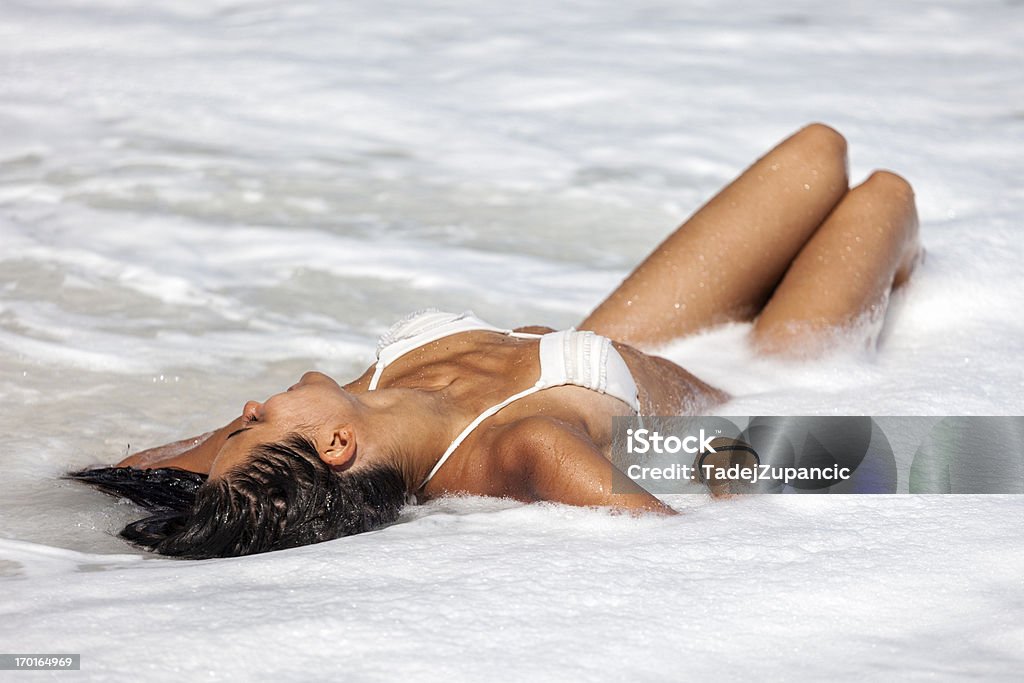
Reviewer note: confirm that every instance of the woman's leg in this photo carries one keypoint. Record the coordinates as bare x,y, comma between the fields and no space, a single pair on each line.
840,281
723,263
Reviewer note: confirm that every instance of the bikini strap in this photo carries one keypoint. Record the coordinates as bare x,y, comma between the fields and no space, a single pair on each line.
566,357
475,423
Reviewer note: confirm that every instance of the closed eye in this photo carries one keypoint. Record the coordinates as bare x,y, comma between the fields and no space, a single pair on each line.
237,432
248,419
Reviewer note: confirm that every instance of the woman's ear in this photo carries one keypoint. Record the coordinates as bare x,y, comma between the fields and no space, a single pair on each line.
340,453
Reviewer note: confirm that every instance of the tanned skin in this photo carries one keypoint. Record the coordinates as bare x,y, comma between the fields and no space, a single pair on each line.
787,245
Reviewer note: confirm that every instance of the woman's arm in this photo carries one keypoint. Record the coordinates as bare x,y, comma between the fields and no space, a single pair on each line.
195,454
560,463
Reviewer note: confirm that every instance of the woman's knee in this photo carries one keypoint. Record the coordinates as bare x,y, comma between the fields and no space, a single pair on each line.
824,140
893,190
887,189
889,182
819,152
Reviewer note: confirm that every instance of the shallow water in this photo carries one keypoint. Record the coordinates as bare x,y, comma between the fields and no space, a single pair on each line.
200,202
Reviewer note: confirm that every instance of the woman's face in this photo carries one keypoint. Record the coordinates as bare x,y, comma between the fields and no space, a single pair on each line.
312,407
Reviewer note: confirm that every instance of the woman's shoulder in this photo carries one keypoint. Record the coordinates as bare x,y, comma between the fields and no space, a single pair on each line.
531,429
507,459
546,458
529,442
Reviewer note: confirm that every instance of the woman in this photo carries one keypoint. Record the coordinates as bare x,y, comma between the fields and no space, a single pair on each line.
455,405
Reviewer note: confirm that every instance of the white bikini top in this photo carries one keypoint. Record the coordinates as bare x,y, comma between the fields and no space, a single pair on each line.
582,359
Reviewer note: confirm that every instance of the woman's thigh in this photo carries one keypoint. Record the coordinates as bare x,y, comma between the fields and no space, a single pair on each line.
723,263
840,282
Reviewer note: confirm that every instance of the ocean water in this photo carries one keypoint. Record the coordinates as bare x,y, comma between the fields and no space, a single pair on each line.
201,200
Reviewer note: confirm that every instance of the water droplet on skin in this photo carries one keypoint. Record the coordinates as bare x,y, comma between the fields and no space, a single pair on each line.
806,186
677,304
629,302
775,167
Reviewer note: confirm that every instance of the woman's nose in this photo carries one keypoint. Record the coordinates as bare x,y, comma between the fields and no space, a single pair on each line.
253,409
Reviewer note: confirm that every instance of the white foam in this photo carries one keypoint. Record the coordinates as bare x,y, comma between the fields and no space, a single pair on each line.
200,202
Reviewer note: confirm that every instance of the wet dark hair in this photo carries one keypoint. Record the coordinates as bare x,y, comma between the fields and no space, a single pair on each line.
284,496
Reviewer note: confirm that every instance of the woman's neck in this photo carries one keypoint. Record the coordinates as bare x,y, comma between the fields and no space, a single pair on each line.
409,429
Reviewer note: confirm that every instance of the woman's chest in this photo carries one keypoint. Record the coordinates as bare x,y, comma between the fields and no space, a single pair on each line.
490,460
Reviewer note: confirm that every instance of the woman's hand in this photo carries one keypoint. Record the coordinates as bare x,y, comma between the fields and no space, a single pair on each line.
195,454
152,457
